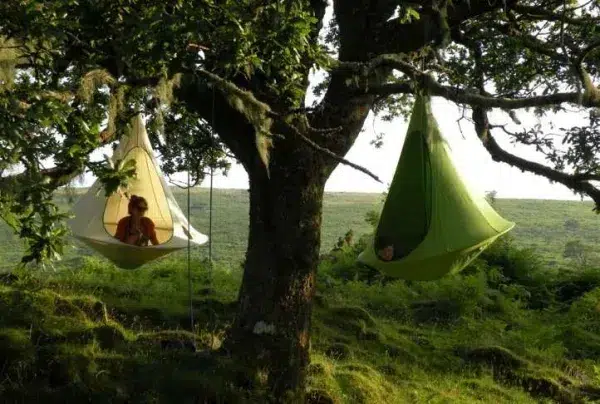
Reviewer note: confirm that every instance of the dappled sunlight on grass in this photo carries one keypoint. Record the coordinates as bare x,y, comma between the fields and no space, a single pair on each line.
508,329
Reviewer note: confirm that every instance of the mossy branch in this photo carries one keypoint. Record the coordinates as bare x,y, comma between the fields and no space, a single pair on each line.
460,96
326,151
257,112
575,182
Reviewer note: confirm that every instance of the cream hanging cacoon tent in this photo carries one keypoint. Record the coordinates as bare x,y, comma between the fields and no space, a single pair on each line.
96,217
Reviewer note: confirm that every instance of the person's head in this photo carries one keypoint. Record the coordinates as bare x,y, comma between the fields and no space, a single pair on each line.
137,206
384,248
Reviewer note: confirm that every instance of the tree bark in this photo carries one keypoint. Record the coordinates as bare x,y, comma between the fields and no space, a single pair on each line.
272,329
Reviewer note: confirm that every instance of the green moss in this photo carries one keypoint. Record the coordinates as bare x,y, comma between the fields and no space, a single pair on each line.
400,354
353,313
319,397
339,351
63,347
109,336
92,307
581,344
15,346
362,384
494,356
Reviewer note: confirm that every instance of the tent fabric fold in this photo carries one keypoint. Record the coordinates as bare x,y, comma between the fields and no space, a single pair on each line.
435,223
96,216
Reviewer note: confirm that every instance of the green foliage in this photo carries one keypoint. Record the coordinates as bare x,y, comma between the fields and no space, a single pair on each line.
491,197
577,251
106,334
64,74
115,178
572,224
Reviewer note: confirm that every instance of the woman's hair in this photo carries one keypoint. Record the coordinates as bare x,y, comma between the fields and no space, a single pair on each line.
382,242
134,201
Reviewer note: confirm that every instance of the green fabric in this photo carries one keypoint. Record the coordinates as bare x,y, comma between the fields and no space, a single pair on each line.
435,223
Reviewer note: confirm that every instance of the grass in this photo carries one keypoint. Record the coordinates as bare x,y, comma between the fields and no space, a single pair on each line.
540,225
509,329
97,334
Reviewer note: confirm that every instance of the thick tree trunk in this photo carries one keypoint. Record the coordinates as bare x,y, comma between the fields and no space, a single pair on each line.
272,329
271,333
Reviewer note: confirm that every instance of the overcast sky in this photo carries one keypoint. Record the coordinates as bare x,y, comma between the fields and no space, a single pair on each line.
471,159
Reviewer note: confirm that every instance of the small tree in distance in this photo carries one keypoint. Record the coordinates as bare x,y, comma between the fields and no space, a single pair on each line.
571,225
491,197
578,252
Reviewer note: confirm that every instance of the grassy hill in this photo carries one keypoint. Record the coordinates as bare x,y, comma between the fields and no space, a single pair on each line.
540,224
510,329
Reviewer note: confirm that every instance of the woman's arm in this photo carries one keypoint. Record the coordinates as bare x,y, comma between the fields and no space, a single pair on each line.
121,230
152,232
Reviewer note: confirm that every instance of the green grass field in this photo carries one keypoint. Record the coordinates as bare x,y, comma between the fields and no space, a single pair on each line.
540,224
517,326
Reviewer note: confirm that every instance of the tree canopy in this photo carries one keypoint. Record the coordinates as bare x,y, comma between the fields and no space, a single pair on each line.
223,78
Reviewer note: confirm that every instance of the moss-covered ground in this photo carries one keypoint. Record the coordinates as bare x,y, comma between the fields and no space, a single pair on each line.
506,330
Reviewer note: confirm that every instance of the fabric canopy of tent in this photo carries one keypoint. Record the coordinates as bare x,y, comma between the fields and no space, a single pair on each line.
434,222
96,217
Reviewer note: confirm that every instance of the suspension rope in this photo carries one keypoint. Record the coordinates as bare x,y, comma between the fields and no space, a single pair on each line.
189,241
210,217
210,197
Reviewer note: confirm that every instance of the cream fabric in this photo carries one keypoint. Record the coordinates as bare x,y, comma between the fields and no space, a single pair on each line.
96,216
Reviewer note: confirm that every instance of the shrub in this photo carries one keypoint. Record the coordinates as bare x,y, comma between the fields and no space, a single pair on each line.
516,264
572,225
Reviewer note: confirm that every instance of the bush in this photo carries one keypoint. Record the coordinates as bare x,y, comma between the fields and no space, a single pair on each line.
577,251
516,264
571,225
585,312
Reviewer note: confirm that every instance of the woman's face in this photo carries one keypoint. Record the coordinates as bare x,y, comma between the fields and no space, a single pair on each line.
140,209
387,253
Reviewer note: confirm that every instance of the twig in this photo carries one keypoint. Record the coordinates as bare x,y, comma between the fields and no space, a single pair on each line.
333,155
326,131
587,50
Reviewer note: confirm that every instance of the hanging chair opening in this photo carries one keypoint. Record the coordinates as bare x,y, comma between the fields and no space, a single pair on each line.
148,185
96,217
405,219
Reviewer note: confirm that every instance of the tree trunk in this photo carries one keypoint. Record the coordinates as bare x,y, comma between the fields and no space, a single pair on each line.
271,333
272,328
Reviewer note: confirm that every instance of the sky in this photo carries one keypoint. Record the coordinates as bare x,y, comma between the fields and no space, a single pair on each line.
470,158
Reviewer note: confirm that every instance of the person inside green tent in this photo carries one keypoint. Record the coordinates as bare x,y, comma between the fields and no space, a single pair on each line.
384,248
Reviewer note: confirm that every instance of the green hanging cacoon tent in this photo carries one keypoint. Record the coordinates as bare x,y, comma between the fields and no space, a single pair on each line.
434,222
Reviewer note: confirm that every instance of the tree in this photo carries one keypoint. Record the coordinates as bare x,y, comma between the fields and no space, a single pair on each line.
572,225
577,251
491,197
230,77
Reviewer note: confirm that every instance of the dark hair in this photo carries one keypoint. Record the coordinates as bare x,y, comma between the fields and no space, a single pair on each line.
382,242
134,202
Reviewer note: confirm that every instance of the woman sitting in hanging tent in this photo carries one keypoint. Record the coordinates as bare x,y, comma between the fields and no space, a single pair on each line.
136,229
385,248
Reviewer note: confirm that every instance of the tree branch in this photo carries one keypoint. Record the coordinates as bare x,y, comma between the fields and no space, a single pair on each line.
530,42
58,175
577,183
587,50
395,37
331,154
537,13
459,96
